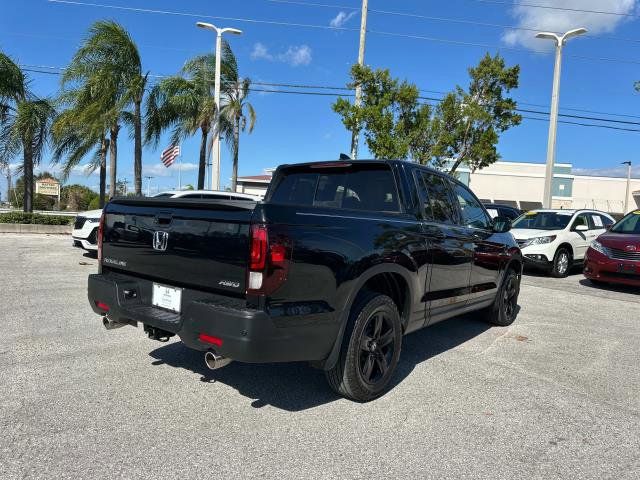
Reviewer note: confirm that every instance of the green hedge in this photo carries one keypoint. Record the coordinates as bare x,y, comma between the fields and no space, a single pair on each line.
26,218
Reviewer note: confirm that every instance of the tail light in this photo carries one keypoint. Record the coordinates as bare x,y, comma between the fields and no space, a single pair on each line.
100,231
269,261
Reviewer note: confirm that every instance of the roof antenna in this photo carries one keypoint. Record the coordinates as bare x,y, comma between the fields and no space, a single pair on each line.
344,156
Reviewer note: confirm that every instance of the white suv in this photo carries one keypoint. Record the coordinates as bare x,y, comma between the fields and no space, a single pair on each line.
556,239
85,229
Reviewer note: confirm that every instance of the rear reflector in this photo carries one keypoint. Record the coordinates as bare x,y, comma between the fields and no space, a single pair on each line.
102,306
210,339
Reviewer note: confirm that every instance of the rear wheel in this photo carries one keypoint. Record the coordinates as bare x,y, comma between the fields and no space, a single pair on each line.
370,349
562,262
505,307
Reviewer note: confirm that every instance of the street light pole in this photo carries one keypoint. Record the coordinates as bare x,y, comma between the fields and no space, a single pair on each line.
215,148
560,40
355,135
626,195
148,185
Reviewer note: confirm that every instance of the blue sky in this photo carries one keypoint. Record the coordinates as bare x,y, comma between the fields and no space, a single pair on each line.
295,128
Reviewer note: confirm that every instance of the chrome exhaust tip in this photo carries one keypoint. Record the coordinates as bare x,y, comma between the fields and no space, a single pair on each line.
112,324
213,361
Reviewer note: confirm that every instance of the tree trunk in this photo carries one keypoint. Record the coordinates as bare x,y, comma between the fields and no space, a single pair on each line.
104,146
236,148
27,199
456,164
113,160
137,159
203,158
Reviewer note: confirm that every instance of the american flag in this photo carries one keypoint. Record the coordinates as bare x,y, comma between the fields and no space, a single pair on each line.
169,154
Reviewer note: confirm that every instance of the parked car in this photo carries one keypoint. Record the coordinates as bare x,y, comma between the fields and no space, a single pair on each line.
333,268
555,240
85,227
499,210
614,257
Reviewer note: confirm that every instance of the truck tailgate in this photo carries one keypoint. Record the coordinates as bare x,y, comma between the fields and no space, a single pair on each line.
199,243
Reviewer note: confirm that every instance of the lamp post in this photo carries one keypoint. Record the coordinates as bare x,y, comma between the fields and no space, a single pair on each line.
215,149
626,195
560,40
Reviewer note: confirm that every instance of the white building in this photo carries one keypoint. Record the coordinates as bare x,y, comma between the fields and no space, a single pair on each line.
522,185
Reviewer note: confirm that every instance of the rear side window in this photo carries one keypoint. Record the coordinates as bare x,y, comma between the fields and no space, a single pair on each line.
438,205
371,188
606,221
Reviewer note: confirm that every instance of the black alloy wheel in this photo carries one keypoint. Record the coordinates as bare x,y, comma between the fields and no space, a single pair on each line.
376,347
370,349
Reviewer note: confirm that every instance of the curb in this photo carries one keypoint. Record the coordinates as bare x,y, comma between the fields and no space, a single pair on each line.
35,228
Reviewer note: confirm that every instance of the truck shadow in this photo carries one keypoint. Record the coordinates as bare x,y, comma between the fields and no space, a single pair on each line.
296,386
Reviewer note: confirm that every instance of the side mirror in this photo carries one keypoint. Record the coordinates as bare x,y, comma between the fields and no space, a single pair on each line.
501,224
581,228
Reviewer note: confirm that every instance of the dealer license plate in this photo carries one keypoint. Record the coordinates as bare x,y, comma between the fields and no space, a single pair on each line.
167,297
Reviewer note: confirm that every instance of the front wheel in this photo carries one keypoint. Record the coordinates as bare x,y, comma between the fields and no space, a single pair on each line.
370,349
505,307
561,263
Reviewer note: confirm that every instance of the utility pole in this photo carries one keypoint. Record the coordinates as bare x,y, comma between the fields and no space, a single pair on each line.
355,135
626,195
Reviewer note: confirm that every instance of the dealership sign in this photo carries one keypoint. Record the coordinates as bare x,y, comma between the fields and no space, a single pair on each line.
48,187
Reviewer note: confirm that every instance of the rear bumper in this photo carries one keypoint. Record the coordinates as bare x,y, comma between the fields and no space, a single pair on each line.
247,335
605,269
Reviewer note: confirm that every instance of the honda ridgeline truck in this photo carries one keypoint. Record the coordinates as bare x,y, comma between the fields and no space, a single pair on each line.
336,265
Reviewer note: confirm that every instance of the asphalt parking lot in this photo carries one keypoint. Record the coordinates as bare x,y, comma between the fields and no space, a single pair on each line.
556,395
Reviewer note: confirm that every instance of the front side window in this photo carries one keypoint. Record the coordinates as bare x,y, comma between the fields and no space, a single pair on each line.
579,221
438,205
471,212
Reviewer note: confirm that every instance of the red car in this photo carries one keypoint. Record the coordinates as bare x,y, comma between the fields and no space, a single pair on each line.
614,257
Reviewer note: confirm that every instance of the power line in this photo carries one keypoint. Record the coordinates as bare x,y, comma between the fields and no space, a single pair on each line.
442,19
549,7
51,71
328,27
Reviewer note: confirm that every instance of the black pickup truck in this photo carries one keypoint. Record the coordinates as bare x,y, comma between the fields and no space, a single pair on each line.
338,262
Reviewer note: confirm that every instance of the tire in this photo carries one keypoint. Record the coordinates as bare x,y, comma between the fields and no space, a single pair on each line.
370,349
504,310
562,262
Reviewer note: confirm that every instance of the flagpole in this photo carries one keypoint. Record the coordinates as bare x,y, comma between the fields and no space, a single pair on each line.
180,168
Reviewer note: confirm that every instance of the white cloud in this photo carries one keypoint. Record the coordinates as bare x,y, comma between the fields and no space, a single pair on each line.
260,51
559,21
159,170
342,18
295,55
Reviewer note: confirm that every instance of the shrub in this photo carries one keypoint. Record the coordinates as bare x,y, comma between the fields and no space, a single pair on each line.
35,218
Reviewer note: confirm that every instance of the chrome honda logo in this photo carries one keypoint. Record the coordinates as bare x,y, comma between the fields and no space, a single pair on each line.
160,240
630,248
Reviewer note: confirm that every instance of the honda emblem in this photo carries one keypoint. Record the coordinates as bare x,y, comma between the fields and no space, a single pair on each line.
630,248
160,240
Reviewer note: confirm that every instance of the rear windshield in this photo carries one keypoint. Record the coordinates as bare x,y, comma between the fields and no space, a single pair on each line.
629,224
543,220
366,187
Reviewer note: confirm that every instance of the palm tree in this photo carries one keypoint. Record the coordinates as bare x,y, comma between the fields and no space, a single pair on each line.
78,131
25,123
185,103
108,65
233,120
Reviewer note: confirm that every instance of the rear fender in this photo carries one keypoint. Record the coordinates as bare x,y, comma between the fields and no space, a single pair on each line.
409,277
